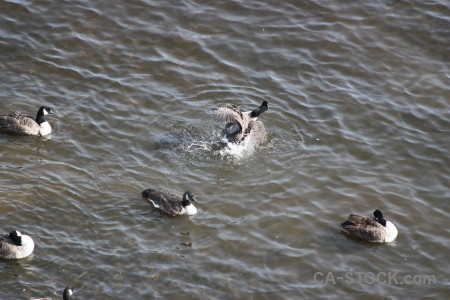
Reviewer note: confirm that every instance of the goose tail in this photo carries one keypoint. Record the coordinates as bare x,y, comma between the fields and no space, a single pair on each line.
348,225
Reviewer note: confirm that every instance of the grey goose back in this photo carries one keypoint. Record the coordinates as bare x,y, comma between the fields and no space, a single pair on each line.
19,123
67,295
376,230
240,125
170,203
15,245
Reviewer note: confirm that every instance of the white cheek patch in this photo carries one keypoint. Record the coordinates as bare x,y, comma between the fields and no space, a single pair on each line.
45,112
154,204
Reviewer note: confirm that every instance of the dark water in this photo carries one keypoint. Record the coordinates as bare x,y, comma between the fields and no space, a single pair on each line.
358,120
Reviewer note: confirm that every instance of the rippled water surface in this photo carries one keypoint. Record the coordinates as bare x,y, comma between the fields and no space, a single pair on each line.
358,120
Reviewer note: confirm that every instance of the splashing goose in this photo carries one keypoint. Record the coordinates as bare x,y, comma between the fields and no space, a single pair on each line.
19,123
376,230
67,295
170,203
14,245
241,125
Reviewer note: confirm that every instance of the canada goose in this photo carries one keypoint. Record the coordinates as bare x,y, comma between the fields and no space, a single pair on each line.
66,295
25,124
376,230
241,124
14,245
170,203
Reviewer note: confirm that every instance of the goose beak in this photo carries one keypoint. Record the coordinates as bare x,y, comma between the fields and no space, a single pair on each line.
193,199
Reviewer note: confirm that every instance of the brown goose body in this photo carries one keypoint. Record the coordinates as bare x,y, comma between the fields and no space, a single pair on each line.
66,295
373,229
19,123
14,245
171,203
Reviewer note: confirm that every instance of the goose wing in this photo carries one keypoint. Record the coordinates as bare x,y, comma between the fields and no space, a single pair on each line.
258,131
232,114
19,123
365,227
19,114
168,202
7,247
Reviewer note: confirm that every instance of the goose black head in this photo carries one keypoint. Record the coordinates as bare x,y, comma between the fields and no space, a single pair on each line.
43,110
67,293
379,216
257,112
16,237
231,131
187,197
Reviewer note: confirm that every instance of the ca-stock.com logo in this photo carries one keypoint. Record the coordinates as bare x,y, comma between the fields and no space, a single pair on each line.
391,278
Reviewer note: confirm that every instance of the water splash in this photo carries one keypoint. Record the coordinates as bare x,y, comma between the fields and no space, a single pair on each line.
239,151
206,143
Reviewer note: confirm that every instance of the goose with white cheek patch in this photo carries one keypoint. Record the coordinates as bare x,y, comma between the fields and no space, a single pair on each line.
170,203
67,295
241,125
15,245
375,230
19,123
